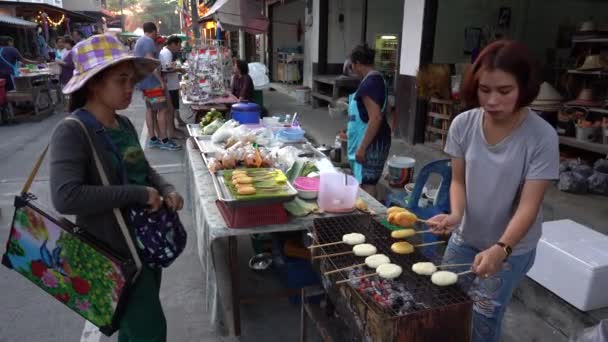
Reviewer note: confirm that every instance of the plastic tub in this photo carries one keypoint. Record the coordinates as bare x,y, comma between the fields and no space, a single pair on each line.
246,113
400,171
591,134
302,95
308,187
337,192
291,134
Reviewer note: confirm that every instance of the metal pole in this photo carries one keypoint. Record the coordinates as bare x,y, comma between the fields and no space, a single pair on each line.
364,30
242,44
122,17
194,6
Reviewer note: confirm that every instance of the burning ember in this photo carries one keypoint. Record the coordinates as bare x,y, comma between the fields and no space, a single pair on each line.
388,294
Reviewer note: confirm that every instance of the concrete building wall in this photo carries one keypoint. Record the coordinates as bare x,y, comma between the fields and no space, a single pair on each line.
383,16
284,26
82,5
534,22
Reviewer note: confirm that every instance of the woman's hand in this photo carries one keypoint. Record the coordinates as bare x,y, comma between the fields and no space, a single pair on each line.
360,155
489,262
174,201
154,199
443,224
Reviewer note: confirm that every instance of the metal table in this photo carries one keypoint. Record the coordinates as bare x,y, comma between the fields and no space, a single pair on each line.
211,230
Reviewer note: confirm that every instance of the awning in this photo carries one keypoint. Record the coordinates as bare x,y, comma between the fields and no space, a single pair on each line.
236,14
31,10
7,20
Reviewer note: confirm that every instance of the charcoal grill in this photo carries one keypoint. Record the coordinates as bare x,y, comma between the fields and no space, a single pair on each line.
425,312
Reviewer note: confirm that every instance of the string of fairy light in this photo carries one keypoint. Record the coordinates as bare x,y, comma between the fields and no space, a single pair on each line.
41,17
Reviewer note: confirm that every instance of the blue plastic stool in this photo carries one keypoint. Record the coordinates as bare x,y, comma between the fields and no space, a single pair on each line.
442,203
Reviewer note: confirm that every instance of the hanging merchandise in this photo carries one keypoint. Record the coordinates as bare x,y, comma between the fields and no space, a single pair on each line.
209,71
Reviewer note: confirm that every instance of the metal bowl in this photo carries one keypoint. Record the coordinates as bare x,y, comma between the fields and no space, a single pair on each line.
260,262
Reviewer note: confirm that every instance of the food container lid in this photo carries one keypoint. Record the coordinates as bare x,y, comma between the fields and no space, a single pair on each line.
246,107
307,183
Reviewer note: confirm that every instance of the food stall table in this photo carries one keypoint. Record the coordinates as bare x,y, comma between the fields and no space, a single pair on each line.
36,88
211,229
199,109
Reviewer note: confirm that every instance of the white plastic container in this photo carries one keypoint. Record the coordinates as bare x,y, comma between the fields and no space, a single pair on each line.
303,95
337,192
400,170
572,262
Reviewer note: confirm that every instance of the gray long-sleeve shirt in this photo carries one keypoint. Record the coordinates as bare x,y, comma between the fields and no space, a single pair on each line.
76,187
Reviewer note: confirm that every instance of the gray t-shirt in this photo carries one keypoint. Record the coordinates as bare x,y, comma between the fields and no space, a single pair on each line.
145,45
495,174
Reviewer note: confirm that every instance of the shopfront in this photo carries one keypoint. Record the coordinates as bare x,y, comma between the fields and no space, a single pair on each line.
569,38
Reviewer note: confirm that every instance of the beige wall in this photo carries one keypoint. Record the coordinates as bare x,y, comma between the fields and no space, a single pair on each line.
82,5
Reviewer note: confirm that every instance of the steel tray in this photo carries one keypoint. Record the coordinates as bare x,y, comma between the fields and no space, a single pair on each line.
194,130
224,195
205,145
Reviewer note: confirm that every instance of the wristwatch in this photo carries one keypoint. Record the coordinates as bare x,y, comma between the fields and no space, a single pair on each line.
506,248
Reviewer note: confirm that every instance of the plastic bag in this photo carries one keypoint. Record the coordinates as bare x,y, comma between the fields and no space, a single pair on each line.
213,126
258,73
287,156
601,165
224,132
243,134
598,183
597,333
584,170
572,182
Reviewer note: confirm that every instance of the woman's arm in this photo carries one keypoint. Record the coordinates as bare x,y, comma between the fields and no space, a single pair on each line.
373,126
530,203
458,198
69,164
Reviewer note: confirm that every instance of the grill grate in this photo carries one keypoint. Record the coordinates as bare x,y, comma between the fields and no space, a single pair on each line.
425,295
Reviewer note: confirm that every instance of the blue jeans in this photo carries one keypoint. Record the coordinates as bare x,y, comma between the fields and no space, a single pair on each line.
491,295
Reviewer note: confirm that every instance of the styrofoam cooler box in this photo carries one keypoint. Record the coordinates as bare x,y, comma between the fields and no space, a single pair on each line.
572,262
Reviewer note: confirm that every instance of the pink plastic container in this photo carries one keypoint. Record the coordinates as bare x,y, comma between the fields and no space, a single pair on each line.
308,187
337,192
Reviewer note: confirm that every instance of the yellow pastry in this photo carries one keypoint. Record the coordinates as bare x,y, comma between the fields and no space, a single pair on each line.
394,210
405,219
402,233
246,190
243,180
402,247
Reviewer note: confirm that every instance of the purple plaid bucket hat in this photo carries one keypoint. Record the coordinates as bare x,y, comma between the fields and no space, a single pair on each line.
100,52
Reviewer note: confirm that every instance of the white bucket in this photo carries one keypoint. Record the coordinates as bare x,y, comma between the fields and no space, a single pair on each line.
303,95
400,170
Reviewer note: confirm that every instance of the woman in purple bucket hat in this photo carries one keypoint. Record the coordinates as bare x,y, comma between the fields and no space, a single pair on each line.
104,78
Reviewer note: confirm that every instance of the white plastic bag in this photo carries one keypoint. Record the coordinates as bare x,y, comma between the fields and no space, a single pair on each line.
224,132
259,74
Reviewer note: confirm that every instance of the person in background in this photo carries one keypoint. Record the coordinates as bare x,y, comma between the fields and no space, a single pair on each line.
59,48
41,44
369,135
504,157
104,83
242,84
172,48
9,56
153,87
67,63
77,36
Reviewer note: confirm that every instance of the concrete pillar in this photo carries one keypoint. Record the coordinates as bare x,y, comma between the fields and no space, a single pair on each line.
242,44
